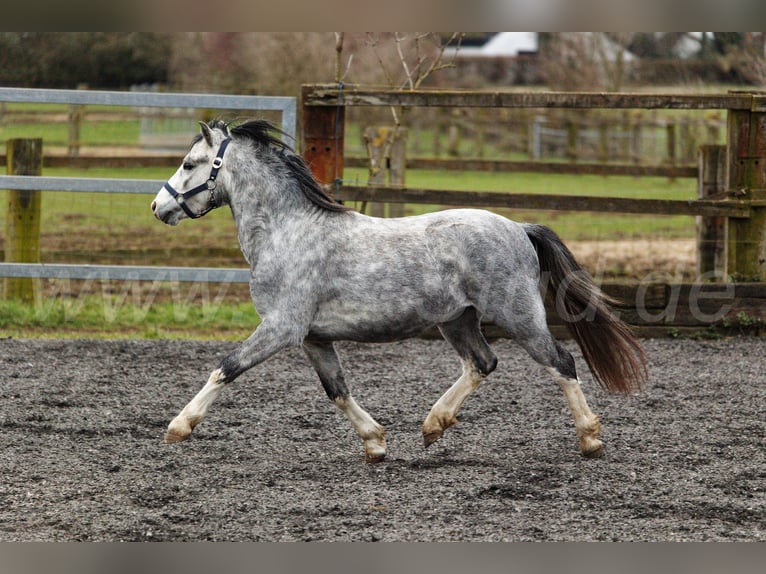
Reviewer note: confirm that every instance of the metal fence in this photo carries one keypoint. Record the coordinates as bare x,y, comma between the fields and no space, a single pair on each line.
286,105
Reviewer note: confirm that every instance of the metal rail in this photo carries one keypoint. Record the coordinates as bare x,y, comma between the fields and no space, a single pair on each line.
286,105
125,272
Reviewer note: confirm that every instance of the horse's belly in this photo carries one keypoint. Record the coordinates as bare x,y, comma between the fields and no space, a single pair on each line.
335,323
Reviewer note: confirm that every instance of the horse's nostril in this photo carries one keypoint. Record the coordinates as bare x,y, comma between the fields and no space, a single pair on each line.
154,206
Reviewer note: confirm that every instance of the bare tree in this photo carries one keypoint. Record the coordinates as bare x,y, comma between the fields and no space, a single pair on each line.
417,57
405,61
251,62
586,60
750,58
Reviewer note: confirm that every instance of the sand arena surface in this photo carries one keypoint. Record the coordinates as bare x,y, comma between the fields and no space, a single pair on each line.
83,459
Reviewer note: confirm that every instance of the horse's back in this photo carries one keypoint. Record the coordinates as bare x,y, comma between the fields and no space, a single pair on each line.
468,226
395,277
479,242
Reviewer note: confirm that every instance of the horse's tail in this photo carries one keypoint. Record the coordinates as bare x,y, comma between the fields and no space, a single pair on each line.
614,355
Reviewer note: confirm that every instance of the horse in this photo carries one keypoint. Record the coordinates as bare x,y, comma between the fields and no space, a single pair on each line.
321,272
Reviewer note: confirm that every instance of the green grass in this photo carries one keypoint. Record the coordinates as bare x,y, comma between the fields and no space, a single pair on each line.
111,133
117,317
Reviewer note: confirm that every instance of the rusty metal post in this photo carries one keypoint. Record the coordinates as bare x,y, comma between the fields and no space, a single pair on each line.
322,140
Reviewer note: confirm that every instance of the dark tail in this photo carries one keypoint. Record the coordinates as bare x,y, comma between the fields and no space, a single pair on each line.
614,355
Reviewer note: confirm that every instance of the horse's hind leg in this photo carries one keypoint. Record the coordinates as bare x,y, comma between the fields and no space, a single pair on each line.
327,365
560,363
533,334
464,334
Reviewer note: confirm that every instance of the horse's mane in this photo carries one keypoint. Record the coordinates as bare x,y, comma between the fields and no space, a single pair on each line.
262,132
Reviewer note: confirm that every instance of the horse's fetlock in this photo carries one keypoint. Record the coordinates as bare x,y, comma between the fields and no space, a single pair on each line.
591,428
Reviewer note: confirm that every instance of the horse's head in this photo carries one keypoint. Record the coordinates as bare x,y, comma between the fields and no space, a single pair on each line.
194,189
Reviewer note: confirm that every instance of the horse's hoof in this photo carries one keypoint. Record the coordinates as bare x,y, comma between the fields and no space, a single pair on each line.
431,437
594,450
375,449
173,437
374,458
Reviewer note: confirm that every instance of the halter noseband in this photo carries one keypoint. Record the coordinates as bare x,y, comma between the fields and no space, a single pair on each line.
209,186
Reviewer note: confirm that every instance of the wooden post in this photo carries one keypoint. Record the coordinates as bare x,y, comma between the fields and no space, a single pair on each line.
481,133
387,157
453,134
603,141
746,158
322,140
437,135
74,129
398,168
572,132
670,130
625,137
378,143
636,140
711,230
22,218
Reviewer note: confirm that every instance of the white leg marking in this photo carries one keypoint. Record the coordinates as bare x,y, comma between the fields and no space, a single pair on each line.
373,435
444,412
180,428
586,423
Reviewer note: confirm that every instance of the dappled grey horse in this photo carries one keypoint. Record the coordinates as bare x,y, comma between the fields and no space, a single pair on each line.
321,272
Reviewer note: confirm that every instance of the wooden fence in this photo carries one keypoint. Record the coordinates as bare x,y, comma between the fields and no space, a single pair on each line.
731,203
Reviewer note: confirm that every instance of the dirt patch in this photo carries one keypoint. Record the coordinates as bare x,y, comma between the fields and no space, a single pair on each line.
666,259
82,457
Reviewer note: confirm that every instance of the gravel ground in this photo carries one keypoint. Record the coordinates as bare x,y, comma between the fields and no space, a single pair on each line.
81,424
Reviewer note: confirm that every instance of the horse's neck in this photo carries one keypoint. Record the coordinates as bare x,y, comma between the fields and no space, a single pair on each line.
260,219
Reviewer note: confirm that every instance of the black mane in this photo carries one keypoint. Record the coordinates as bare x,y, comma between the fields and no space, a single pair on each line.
263,132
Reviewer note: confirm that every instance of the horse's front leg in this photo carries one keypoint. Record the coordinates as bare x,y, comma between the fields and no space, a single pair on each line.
261,345
327,365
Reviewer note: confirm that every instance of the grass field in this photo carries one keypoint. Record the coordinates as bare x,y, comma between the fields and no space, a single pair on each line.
119,229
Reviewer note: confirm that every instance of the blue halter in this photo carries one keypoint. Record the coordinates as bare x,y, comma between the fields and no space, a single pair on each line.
209,186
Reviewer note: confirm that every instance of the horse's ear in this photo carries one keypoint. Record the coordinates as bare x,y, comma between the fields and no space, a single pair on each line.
206,133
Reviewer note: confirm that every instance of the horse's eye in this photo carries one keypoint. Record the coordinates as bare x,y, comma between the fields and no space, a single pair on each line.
188,166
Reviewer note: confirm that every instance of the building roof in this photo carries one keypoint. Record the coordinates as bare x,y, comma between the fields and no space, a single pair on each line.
501,44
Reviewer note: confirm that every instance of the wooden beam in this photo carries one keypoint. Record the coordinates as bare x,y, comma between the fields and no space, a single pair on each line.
581,168
330,95
551,167
727,208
